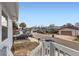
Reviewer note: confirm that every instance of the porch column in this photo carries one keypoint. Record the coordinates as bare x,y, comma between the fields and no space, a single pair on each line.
10,31
0,23
10,36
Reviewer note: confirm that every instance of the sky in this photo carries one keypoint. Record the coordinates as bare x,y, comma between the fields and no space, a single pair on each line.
46,13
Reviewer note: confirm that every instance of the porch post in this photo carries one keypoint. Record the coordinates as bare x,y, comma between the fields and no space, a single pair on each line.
10,30
0,23
10,36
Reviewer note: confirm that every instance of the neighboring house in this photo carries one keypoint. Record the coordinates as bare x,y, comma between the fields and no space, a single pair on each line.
72,31
8,14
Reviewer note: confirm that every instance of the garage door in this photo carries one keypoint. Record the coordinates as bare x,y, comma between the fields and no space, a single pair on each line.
66,32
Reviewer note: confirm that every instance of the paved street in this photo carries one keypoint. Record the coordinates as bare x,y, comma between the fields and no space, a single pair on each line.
68,43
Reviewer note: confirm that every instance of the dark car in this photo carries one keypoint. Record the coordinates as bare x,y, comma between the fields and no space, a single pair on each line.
30,35
22,36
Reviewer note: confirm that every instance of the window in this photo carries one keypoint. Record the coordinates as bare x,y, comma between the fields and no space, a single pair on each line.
4,26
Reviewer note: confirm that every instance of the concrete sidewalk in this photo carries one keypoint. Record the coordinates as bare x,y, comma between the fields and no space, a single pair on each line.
33,39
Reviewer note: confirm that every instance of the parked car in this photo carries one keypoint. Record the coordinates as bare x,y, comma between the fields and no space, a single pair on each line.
21,37
29,35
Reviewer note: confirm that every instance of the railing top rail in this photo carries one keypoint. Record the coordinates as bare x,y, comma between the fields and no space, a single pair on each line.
65,49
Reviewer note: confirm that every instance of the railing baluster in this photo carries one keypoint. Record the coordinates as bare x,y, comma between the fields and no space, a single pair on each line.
58,52
52,49
43,50
39,51
47,52
64,54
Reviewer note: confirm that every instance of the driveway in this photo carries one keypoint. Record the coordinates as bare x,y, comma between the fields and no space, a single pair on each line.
64,37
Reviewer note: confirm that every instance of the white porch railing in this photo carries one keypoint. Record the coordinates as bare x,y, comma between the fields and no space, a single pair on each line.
61,49
54,49
5,49
38,50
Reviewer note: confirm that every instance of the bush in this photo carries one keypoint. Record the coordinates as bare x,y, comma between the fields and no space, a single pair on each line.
77,36
52,35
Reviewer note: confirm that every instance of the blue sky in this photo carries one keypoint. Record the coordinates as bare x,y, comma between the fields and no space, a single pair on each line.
46,13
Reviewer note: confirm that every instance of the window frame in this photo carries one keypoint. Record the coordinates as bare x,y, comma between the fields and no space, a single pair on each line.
6,18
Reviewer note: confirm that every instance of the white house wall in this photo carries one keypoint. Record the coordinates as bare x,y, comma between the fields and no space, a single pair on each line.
0,23
9,13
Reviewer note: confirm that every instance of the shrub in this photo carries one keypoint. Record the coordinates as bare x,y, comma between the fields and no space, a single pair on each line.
77,36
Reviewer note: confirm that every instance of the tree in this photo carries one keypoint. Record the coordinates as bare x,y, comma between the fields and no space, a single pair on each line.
68,25
22,25
15,26
51,25
77,24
